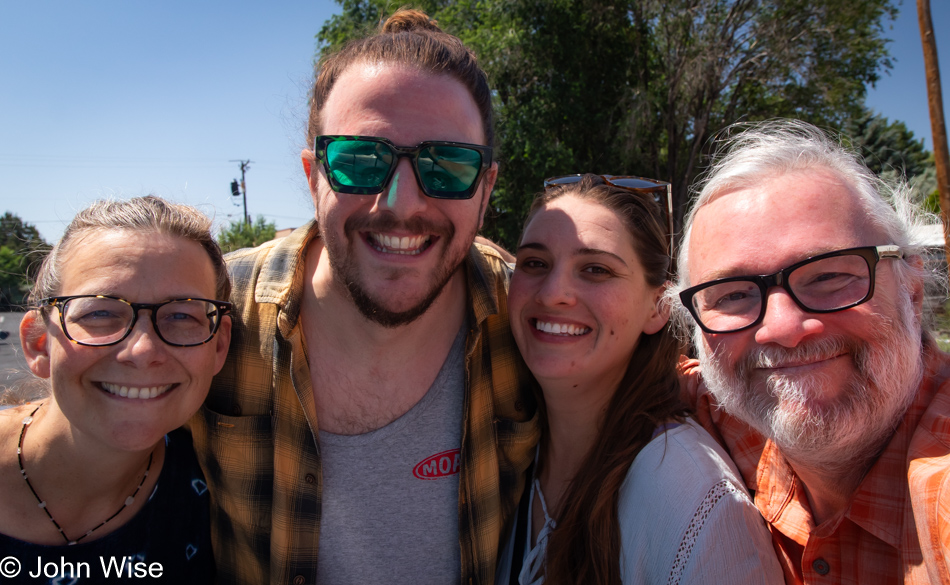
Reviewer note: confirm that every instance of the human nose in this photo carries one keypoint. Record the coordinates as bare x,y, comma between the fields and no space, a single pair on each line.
784,322
143,347
403,196
556,289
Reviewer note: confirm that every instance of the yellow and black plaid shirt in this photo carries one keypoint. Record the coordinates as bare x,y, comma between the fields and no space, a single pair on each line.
256,436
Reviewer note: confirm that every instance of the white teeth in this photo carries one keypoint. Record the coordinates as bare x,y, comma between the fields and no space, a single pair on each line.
136,392
560,328
396,245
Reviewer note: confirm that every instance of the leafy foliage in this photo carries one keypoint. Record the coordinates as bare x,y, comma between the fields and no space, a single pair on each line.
21,247
890,150
243,235
640,87
887,146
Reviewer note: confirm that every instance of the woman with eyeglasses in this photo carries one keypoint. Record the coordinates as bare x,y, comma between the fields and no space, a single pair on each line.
625,488
129,324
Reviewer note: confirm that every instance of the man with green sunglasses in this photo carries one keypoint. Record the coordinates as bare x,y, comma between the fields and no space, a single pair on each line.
373,422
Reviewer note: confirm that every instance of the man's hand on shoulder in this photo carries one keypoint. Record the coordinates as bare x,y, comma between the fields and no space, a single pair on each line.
689,373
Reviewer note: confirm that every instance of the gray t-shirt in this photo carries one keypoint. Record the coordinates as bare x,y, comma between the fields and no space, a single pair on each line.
390,496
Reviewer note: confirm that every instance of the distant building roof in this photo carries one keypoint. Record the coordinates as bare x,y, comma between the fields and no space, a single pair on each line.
929,235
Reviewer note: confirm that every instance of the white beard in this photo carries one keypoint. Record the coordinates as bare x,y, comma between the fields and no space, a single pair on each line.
835,436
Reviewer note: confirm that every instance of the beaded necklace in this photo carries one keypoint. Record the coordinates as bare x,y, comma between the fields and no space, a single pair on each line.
42,503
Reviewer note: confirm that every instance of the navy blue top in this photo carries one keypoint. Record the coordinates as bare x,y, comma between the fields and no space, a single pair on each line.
171,533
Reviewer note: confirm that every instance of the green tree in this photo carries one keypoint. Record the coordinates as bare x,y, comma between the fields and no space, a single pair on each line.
887,146
892,151
21,247
640,87
243,235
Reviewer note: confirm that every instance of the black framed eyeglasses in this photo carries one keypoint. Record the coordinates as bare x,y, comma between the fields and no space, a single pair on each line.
99,320
821,284
661,191
364,165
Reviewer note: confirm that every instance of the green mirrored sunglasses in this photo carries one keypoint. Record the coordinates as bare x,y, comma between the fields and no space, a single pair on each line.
364,165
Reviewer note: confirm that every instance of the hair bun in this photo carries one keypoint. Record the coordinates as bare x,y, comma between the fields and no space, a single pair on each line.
409,20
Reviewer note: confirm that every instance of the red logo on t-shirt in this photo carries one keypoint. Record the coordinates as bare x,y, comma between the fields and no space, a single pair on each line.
439,465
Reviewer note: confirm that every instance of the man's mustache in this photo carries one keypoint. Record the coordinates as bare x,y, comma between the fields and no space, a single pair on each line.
386,222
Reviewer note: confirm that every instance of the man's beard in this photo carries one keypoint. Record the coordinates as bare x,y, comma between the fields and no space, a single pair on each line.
346,271
856,424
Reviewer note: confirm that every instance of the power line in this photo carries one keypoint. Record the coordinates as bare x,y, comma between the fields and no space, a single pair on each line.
245,165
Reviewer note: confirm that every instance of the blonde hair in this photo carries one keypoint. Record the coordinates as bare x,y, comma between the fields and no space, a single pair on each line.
140,214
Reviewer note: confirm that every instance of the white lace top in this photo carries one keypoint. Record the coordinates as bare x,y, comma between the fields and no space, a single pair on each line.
684,516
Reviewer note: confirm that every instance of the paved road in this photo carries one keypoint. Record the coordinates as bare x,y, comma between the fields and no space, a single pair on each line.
12,364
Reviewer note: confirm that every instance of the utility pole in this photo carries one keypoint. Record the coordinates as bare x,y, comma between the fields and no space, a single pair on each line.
938,126
245,165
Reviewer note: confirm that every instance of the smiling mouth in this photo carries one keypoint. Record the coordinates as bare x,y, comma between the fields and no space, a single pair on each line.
560,328
135,391
798,366
405,245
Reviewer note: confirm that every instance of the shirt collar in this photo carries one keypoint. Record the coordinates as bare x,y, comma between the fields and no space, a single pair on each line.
878,505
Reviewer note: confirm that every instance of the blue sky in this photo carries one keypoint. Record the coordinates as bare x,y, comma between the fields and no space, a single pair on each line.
124,98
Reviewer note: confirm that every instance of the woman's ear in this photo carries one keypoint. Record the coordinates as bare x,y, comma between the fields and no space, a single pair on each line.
661,311
34,339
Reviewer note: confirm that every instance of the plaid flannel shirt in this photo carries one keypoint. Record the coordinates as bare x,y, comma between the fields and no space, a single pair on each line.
256,435
897,526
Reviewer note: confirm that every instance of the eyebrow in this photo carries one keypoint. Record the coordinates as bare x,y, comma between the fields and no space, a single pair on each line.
577,252
731,273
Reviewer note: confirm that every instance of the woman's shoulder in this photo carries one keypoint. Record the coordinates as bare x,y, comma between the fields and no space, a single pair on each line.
681,500
680,475
684,452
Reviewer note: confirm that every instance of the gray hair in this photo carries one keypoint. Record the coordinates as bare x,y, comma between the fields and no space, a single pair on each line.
753,151
140,214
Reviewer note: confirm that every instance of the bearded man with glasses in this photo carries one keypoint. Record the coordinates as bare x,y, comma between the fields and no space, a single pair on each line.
373,423
805,292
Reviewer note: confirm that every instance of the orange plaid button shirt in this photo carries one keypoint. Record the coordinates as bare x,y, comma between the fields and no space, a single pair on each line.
897,526
256,435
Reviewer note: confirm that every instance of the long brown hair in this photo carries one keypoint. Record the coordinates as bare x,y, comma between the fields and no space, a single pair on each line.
585,546
411,38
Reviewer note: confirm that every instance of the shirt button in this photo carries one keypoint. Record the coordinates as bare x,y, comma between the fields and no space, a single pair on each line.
821,566
299,580
311,480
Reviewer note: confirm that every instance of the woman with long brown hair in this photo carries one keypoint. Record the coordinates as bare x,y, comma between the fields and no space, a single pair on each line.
625,487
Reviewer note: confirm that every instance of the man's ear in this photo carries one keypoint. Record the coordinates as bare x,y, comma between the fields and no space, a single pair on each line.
308,159
488,183
34,339
917,286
